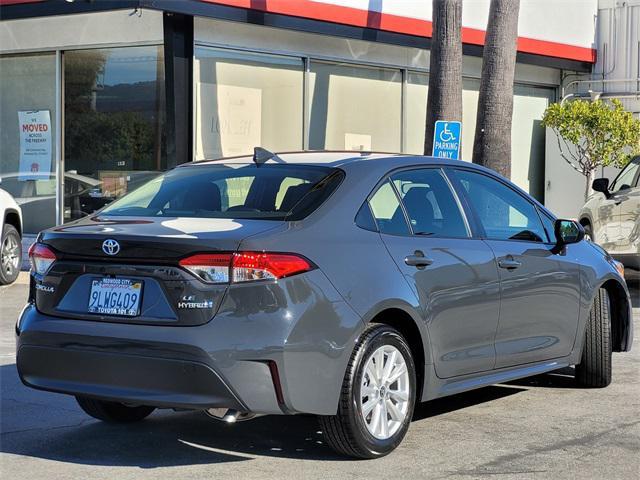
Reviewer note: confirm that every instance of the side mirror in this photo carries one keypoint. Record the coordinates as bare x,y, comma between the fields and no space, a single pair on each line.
601,185
567,232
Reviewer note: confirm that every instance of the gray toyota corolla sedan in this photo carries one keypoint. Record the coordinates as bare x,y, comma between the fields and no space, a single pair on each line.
344,285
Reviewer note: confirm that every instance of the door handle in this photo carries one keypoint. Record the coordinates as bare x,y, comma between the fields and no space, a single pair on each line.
509,263
418,260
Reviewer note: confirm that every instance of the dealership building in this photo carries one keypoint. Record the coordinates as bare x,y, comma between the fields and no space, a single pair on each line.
119,90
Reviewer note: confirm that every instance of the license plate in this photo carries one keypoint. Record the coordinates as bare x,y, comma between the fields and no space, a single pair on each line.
115,296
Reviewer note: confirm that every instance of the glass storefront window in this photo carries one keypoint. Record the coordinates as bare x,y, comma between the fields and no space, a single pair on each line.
354,108
245,100
27,136
114,118
417,88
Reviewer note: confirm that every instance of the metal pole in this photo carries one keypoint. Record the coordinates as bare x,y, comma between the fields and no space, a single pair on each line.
306,102
59,140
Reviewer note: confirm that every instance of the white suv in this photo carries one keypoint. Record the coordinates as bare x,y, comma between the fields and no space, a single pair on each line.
611,216
11,239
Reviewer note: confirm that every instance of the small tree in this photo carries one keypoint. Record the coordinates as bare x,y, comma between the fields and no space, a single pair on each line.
593,134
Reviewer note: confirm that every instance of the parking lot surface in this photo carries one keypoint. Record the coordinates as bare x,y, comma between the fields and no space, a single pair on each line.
540,427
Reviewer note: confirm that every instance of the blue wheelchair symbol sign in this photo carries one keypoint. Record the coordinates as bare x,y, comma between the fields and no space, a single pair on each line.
446,139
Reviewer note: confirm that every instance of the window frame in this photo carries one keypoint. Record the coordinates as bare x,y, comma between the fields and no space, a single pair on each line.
481,233
387,177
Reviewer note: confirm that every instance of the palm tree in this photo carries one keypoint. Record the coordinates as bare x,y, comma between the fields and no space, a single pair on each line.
492,142
444,101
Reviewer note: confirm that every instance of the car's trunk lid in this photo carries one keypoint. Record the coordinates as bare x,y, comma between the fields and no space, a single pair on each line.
148,253
144,240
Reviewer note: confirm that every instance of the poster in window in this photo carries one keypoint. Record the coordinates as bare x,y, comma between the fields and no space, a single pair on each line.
357,142
229,120
35,144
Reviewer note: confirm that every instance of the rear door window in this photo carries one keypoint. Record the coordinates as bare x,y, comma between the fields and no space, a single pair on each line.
386,209
430,203
272,192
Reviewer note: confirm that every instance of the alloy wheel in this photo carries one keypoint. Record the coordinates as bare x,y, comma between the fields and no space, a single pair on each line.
385,392
10,256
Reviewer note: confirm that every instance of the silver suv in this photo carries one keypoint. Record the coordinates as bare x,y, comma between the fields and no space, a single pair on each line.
611,216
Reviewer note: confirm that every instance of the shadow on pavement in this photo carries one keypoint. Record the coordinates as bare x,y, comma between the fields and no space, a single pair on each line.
563,378
51,426
444,405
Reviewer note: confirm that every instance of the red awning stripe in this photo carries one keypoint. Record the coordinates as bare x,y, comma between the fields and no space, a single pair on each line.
399,24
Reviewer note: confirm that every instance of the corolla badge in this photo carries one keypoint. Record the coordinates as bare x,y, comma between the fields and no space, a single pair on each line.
110,247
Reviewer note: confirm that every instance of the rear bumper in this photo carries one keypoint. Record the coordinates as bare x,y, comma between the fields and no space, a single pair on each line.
136,379
299,325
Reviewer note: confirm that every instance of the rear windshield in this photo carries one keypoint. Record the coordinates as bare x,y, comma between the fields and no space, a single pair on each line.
268,192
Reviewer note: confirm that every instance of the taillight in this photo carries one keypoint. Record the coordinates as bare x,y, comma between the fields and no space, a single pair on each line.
41,258
249,266
245,266
210,267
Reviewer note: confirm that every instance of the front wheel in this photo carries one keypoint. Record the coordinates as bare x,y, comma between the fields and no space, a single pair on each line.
594,370
113,412
377,399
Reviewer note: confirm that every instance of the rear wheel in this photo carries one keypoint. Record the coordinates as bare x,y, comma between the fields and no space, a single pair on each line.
10,255
377,399
594,369
113,412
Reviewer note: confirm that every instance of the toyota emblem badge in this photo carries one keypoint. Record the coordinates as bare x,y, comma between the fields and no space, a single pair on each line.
110,247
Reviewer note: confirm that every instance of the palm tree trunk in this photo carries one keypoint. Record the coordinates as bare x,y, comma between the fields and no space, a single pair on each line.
444,101
492,142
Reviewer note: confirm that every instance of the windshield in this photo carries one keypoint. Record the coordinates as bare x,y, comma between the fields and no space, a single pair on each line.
268,192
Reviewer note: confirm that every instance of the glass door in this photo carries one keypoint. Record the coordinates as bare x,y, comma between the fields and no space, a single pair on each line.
114,117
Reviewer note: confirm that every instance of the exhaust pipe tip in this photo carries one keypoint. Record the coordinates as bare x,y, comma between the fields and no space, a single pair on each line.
229,415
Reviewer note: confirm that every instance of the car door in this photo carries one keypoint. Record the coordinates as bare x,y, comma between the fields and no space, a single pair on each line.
606,223
452,274
625,194
540,286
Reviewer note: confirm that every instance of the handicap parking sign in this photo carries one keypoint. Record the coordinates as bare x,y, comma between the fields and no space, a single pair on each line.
446,139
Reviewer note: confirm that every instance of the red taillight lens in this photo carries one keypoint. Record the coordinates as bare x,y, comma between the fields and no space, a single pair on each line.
244,266
41,258
249,266
210,267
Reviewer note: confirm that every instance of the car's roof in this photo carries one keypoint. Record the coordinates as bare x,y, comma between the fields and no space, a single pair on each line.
335,159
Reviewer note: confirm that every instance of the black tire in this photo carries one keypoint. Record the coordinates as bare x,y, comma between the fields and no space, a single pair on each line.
113,412
346,431
9,272
594,370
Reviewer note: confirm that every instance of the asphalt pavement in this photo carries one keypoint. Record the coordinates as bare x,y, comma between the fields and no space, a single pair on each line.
543,427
